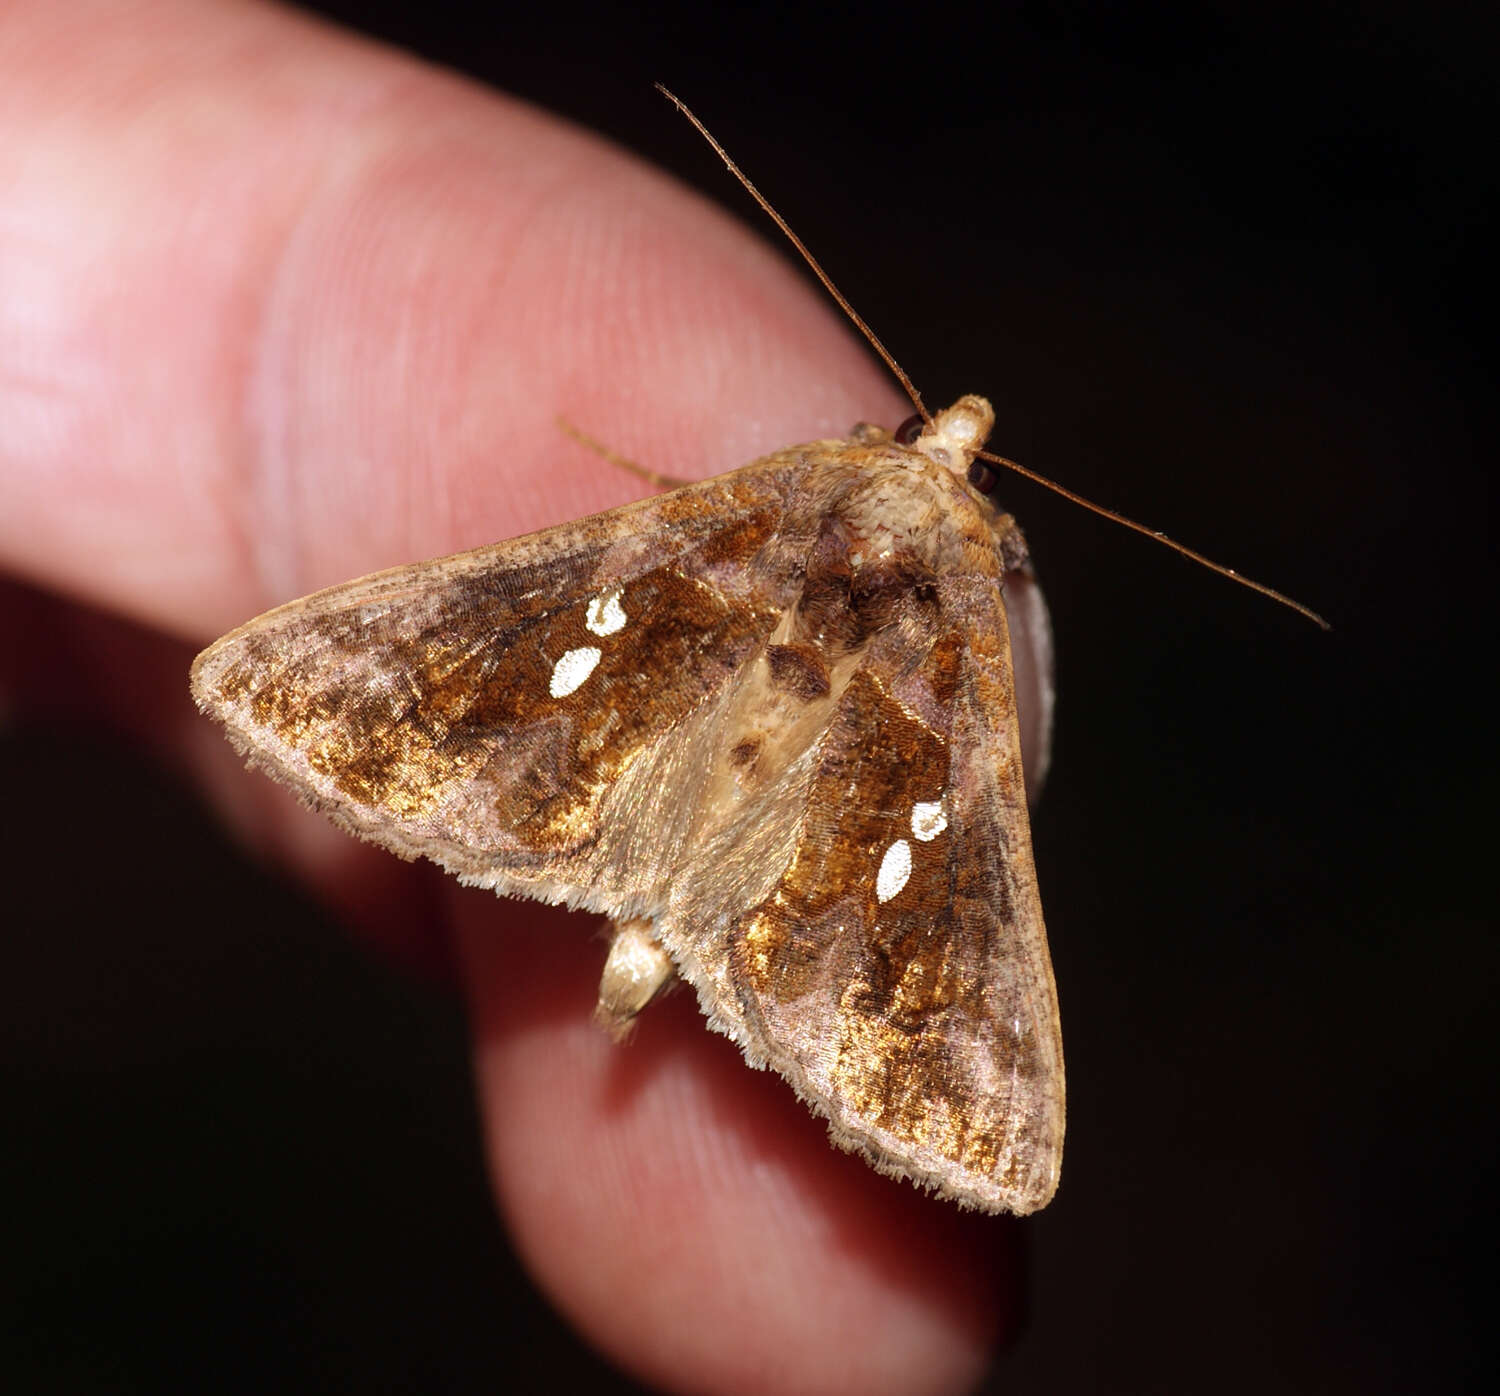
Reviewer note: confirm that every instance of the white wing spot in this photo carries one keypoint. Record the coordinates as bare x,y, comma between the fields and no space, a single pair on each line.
605,615
928,820
570,672
895,868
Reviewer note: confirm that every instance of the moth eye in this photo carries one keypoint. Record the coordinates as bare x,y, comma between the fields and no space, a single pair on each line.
983,476
910,429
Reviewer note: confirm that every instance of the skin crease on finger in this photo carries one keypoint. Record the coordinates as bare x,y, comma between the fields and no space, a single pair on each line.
264,333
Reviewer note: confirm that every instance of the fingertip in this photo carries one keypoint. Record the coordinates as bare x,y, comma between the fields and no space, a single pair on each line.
688,1214
330,328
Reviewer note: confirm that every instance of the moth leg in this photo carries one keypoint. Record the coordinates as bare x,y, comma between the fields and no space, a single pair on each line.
651,477
636,970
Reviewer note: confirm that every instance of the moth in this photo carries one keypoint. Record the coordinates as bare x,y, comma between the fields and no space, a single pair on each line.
767,725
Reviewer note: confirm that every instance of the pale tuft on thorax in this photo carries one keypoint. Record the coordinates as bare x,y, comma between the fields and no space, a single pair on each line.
957,434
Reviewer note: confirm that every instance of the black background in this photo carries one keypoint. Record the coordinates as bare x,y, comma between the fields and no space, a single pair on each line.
1217,266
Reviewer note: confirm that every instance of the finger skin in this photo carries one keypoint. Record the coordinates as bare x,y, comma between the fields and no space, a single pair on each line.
661,1187
266,343
278,307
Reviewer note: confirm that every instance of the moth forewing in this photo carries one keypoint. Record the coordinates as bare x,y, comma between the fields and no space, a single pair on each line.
454,709
770,722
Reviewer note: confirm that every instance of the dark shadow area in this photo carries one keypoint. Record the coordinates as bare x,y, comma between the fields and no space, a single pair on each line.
241,1154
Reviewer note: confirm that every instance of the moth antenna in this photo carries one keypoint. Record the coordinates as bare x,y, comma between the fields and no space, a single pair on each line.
916,397
1158,537
817,270
652,477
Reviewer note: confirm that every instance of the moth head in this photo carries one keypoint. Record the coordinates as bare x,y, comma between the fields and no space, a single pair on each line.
954,437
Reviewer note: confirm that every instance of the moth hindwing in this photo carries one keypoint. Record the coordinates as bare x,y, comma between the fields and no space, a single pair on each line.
768,722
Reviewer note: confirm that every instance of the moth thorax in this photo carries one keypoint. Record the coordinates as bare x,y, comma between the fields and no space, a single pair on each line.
957,434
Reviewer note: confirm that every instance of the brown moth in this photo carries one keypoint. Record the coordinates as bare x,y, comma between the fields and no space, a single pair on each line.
767,725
